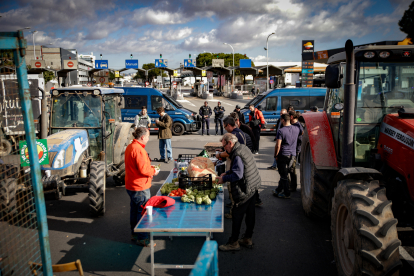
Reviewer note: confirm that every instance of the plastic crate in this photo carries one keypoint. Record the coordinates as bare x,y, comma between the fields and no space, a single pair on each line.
186,157
199,183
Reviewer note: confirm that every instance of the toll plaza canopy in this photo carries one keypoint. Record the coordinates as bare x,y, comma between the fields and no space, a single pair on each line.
39,70
323,56
196,71
273,70
246,70
218,70
64,72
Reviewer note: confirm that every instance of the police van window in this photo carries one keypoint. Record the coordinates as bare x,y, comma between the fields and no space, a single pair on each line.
298,102
271,104
135,102
316,101
159,101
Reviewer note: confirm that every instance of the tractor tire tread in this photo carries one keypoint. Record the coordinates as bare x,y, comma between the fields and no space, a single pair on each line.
96,188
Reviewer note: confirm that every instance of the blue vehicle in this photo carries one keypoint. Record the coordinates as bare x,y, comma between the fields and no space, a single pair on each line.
272,102
184,120
87,143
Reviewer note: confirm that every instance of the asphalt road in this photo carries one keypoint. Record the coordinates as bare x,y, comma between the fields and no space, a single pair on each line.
286,241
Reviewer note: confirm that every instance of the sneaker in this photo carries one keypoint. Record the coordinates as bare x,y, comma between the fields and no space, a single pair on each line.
144,243
256,152
161,160
259,203
246,242
271,168
168,160
228,216
282,195
208,134
275,193
235,246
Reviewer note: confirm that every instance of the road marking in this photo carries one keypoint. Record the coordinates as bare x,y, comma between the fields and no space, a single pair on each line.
185,101
407,256
219,101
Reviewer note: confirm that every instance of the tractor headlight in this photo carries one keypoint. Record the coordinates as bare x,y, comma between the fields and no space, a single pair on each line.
59,160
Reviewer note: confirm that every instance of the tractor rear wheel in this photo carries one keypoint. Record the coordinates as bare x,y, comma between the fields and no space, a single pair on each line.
8,189
364,233
5,147
97,188
315,184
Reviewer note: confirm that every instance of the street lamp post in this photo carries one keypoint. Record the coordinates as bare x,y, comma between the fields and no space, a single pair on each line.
34,47
233,61
267,59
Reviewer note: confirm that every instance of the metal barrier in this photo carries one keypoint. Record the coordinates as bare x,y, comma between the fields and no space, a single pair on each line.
207,261
23,225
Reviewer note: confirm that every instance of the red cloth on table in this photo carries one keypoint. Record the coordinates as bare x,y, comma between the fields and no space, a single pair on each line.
158,202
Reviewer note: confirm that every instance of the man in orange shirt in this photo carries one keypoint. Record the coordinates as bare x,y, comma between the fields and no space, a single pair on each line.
138,177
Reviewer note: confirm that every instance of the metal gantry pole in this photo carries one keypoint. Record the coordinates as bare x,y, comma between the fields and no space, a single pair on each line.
233,63
267,59
27,112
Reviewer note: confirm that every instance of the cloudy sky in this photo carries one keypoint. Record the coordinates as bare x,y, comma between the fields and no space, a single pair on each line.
179,28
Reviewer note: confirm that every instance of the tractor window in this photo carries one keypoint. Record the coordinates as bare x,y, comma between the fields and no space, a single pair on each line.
383,88
76,110
135,102
365,140
298,103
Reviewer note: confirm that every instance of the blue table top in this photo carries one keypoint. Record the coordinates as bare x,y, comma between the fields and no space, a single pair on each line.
184,217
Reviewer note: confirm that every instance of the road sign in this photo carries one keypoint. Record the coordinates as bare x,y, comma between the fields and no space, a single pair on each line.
271,81
175,73
89,84
70,64
131,64
245,63
203,73
174,84
159,79
116,74
102,79
42,152
161,63
190,62
101,64
218,62
146,84
38,64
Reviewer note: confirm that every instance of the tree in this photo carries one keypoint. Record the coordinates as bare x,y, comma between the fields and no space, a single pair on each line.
205,59
407,22
48,76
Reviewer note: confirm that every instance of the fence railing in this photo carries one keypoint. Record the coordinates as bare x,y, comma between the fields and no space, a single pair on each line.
207,261
23,225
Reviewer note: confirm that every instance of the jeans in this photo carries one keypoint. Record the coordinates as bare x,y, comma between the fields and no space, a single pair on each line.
238,213
219,121
256,132
293,176
165,143
138,198
274,163
284,164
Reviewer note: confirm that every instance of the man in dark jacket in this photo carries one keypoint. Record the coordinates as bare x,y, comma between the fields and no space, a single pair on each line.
244,180
164,124
218,117
241,117
205,113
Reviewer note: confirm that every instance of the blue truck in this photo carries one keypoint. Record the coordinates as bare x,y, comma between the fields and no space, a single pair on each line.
184,120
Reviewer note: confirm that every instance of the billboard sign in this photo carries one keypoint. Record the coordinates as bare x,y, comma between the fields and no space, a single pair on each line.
37,64
70,64
116,74
131,64
190,63
245,63
161,63
218,62
42,151
308,46
101,64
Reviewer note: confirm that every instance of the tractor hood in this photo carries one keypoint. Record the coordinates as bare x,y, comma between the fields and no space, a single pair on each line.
65,148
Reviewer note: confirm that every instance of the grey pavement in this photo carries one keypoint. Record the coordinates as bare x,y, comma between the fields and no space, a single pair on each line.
286,242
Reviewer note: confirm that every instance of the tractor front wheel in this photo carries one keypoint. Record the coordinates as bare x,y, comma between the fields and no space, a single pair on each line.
364,233
97,188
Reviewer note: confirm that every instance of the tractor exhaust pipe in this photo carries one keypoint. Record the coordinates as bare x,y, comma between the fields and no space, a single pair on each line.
43,115
349,107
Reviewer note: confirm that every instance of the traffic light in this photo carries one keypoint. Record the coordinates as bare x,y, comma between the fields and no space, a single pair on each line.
244,55
217,56
160,55
189,56
131,56
101,56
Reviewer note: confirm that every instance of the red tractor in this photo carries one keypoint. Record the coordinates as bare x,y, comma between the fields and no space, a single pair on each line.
358,156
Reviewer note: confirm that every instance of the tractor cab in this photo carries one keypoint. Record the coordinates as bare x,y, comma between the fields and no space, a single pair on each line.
95,110
384,84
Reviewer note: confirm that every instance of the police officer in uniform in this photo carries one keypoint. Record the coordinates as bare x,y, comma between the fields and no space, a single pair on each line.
205,113
218,119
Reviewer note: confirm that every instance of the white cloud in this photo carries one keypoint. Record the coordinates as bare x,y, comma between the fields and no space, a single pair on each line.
149,16
171,35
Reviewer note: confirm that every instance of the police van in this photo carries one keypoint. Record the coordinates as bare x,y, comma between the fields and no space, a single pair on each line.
184,120
272,102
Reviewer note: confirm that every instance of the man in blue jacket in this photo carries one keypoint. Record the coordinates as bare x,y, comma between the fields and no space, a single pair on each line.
218,117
